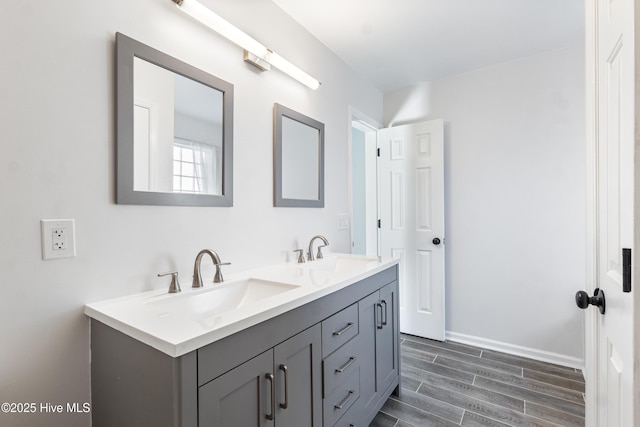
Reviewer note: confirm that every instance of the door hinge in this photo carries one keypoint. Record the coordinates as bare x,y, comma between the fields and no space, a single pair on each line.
626,270
379,224
378,150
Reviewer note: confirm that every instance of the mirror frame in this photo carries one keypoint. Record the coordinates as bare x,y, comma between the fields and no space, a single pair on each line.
126,50
281,111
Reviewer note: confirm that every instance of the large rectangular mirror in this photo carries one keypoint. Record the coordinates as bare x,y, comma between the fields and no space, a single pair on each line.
298,159
174,130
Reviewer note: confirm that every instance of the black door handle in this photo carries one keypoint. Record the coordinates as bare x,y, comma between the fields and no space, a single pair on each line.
435,241
583,300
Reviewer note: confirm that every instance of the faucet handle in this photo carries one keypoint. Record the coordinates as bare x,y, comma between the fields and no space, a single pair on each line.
300,255
174,287
218,276
319,254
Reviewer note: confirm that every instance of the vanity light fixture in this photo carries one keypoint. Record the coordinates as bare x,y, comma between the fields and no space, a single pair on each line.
255,52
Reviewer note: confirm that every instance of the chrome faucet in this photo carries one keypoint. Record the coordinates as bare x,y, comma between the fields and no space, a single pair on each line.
319,255
197,277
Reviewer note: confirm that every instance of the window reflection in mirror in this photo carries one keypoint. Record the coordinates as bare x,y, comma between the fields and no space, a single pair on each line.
175,130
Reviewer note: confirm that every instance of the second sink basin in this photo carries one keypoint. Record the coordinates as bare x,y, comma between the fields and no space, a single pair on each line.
340,264
215,299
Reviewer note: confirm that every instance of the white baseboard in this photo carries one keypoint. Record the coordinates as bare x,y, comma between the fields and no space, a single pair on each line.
531,353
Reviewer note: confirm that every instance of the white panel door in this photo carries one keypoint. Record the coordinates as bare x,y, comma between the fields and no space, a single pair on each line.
615,392
412,221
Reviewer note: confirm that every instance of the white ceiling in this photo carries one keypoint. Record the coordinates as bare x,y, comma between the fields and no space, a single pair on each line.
397,43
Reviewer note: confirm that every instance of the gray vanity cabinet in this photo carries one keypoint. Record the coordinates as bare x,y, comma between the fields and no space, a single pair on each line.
378,319
340,365
386,336
267,375
239,397
298,380
280,387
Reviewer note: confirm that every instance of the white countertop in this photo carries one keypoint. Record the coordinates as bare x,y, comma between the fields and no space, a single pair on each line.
177,324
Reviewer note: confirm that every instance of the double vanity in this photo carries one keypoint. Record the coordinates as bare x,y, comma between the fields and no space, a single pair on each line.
293,344
296,344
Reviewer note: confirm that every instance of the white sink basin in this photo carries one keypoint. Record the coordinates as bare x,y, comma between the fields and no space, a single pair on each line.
339,264
216,299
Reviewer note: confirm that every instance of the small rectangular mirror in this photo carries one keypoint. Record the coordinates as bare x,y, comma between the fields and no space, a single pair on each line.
298,159
175,130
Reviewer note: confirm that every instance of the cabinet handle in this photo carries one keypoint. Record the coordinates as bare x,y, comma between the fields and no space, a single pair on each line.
284,369
381,325
343,330
273,397
346,365
384,322
345,400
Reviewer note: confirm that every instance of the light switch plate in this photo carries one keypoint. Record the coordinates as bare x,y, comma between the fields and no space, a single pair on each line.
58,238
343,221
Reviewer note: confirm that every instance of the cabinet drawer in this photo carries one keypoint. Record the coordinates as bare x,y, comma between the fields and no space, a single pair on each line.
342,398
339,328
350,418
339,365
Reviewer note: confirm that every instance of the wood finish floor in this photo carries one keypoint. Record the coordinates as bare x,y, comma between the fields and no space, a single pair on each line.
451,384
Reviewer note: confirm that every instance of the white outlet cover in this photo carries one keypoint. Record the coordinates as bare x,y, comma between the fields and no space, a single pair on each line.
62,246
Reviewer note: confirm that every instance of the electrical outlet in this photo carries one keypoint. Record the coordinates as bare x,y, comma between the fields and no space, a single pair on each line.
58,238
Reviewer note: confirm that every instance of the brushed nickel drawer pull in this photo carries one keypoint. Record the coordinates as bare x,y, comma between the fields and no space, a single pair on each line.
384,322
273,397
284,369
381,324
346,365
343,330
345,400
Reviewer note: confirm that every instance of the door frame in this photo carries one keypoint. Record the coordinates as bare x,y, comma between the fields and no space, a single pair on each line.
591,274
353,114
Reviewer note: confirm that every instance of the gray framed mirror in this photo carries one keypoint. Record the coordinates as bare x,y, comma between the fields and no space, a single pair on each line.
174,130
298,159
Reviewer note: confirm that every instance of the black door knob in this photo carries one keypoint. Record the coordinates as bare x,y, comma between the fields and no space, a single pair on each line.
435,241
583,300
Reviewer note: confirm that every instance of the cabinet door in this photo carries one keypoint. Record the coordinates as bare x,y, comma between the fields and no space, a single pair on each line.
386,349
298,370
368,314
241,397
